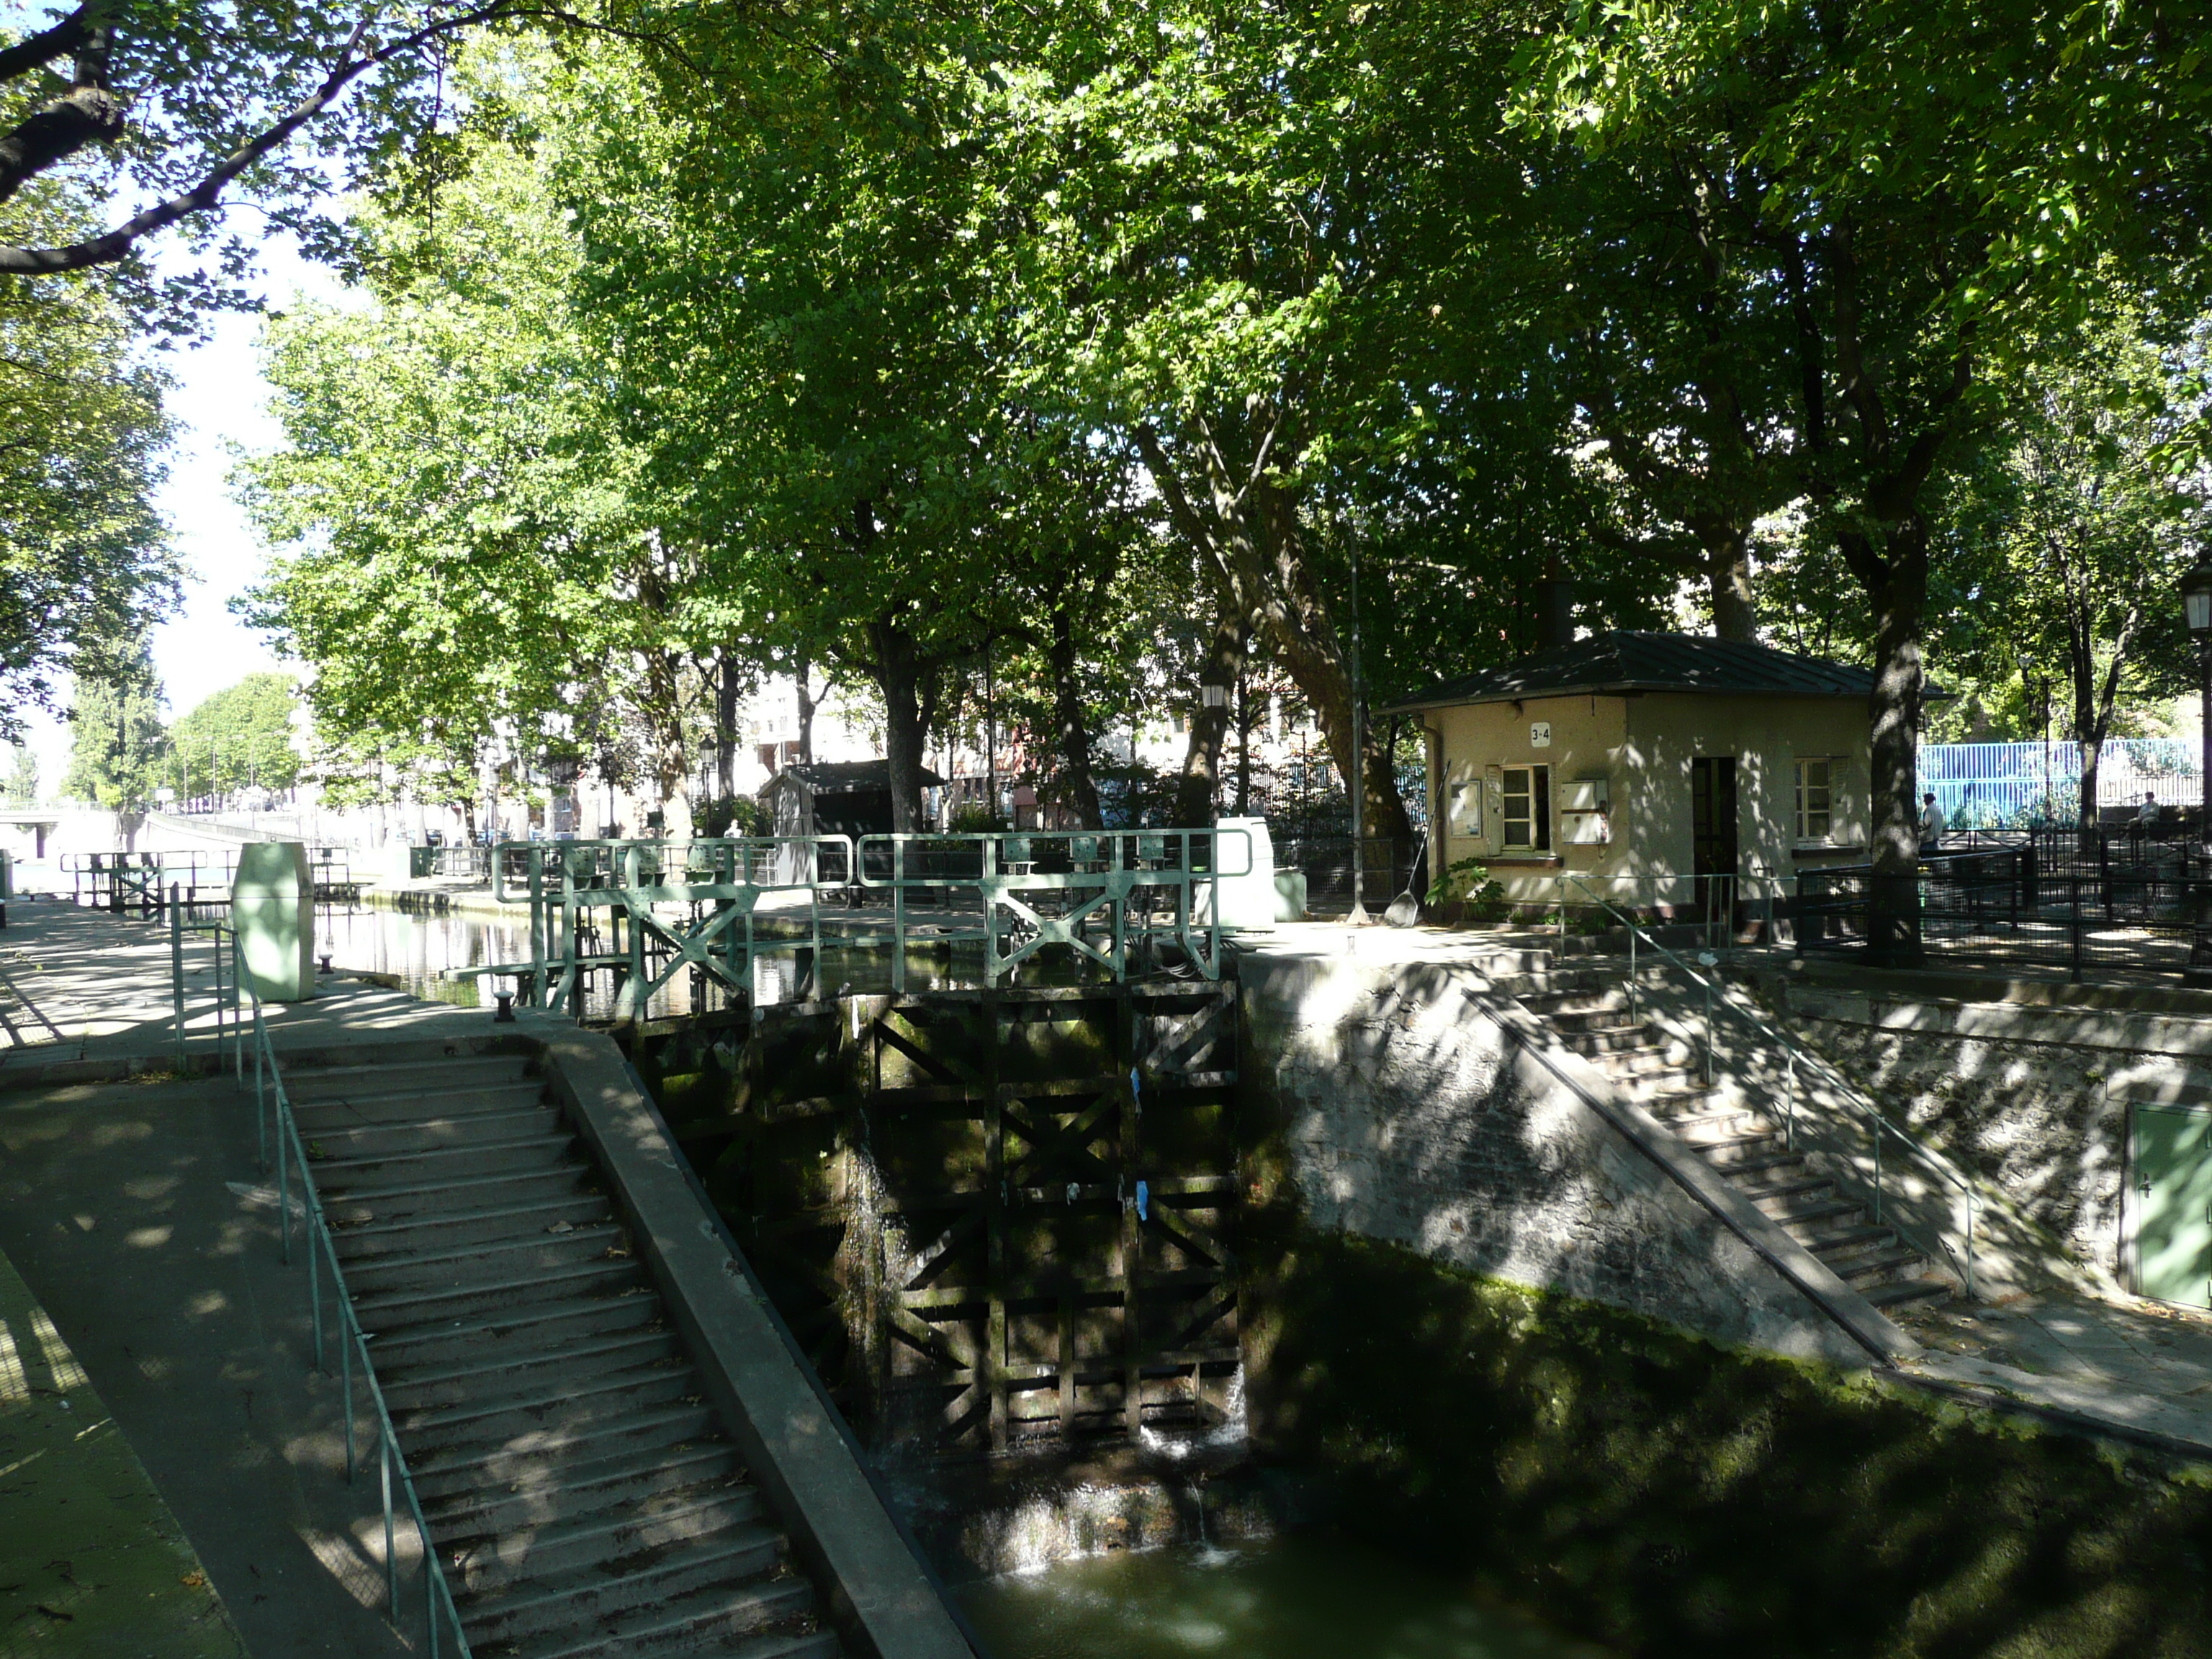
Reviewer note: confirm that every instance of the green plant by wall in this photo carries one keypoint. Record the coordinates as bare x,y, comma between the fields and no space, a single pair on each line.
1467,882
1670,1498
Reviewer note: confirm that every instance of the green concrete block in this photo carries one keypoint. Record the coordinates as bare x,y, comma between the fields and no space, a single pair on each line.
272,903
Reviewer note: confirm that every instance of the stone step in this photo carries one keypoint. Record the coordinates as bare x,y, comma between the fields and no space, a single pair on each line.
1553,1003
1785,1189
510,1368
430,1200
423,1079
569,1603
1904,1291
440,1133
1595,1019
1812,1209
438,1271
521,1154
404,1310
1862,1267
558,1404
462,1341
568,1211
362,1111
1730,1148
1597,1044
768,1621
542,1462
1764,1164
597,1540
586,1485
1834,1238
1694,1121
1659,1059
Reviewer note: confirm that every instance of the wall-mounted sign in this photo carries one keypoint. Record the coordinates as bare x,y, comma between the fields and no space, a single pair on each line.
1539,735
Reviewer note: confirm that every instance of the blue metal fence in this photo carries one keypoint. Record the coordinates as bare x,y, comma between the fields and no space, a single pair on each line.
1989,786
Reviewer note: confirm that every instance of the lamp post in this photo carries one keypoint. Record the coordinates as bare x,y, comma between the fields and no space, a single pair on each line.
2197,611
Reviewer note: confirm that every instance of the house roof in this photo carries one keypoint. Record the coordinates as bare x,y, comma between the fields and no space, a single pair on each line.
1625,661
844,777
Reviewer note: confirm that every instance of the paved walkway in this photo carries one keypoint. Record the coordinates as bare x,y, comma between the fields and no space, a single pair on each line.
91,1559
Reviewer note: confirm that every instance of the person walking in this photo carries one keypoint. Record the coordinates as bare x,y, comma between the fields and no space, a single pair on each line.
1932,824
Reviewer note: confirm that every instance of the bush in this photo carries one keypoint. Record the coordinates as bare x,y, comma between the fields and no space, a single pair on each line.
1468,884
729,815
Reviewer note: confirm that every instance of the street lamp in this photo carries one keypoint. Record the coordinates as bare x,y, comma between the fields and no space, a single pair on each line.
2197,611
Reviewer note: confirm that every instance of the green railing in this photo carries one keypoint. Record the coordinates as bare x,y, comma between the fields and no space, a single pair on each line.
273,1119
1040,888
1876,1125
720,883
645,911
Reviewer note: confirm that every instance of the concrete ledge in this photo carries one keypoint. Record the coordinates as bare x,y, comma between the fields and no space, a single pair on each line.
2134,1419
883,1600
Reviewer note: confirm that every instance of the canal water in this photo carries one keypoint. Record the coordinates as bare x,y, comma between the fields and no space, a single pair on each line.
1300,1596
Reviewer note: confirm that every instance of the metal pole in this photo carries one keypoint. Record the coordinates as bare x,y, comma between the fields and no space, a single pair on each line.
345,1385
283,1177
314,1277
391,1560
1632,971
1356,785
1789,1102
177,972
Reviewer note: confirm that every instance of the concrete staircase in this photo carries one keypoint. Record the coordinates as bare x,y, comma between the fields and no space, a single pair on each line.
1588,1010
579,1494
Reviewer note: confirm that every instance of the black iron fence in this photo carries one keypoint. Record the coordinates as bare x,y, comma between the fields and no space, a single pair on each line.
2118,897
1390,865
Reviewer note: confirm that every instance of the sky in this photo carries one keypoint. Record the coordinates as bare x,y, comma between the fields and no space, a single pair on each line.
219,400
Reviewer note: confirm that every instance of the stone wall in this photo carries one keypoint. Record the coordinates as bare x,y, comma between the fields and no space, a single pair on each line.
1396,1102
2033,1097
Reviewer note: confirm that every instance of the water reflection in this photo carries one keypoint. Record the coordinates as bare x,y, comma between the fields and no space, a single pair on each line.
1300,1597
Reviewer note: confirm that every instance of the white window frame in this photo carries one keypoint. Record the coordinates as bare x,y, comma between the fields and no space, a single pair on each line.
1827,812
1536,787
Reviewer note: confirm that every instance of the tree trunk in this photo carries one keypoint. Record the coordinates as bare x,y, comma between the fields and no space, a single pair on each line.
1200,786
1728,572
1900,599
1243,746
726,727
803,670
1251,545
908,698
1078,787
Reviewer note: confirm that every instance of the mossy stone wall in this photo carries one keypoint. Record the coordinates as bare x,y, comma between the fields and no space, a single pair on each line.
1669,1496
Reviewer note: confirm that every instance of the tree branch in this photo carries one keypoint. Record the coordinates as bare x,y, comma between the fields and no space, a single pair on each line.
115,245
39,50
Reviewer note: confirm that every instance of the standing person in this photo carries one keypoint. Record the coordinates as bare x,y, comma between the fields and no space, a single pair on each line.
1932,824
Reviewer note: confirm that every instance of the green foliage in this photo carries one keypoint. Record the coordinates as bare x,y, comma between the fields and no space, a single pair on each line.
22,787
245,732
465,565
1467,882
730,814
117,748
85,563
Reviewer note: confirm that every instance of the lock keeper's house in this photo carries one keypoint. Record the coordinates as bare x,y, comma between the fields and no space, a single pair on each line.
1634,763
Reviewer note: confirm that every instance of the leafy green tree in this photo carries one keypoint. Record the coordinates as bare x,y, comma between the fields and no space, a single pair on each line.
84,557
465,565
117,748
239,737
1915,196
23,778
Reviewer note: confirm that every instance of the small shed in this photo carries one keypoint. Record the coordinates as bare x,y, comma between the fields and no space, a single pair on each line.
843,798
1634,763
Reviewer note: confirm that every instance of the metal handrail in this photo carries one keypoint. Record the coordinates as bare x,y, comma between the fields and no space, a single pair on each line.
268,1092
1105,868
1872,1115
